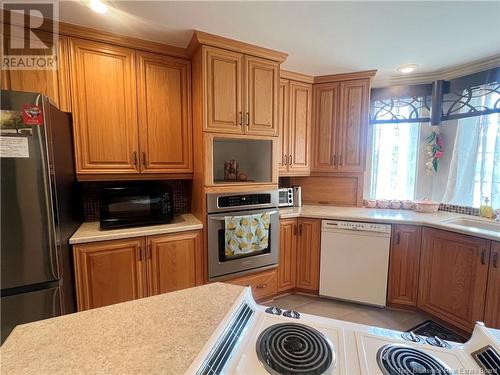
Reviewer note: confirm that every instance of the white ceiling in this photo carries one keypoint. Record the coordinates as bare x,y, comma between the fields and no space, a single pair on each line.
320,37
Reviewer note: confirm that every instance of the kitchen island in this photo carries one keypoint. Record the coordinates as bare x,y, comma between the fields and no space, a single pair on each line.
162,334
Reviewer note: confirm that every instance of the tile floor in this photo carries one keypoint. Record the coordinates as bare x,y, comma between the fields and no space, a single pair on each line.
373,316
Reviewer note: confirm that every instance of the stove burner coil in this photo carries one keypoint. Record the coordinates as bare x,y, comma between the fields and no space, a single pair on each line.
405,360
294,348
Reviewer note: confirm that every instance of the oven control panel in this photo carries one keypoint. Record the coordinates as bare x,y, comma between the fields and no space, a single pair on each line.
243,200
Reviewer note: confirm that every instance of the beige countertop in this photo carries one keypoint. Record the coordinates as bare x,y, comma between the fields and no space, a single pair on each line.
162,334
436,220
90,231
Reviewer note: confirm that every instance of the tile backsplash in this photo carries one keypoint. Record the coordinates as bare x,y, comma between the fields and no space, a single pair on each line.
181,190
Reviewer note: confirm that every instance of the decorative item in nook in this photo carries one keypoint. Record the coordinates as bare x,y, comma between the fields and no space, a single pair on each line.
435,151
485,210
230,170
383,203
396,204
246,234
407,205
370,203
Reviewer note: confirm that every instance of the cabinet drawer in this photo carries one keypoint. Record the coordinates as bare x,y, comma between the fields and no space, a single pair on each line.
263,284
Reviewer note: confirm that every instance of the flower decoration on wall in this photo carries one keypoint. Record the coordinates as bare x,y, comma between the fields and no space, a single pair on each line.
435,151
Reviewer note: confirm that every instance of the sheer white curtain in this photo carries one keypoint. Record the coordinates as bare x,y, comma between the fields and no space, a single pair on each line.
475,165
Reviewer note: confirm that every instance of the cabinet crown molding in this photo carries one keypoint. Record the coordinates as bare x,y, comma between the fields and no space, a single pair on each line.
295,76
203,38
345,76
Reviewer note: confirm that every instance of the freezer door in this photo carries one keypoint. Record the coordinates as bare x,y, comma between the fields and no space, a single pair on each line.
28,245
29,307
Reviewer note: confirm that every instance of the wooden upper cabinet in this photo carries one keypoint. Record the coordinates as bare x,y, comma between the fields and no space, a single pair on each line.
300,128
354,108
287,269
104,105
453,277
325,127
175,262
404,262
109,272
164,113
223,90
492,308
46,82
262,85
308,253
283,125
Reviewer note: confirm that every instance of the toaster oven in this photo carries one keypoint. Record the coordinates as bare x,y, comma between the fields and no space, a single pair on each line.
285,197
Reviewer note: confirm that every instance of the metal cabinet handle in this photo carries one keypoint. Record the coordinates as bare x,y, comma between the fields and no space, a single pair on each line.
290,156
300,229
286,159
495,260
144,162
261,286
248,119
334,160
398,238
483,256
139,253
294,229
134,157
241,118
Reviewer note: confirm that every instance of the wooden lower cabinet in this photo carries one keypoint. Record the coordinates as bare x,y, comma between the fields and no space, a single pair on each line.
492,308
174,262
263,284
404,263
308,254
453,277
287,269
110,272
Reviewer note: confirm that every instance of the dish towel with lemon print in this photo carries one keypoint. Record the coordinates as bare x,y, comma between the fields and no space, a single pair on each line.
246,234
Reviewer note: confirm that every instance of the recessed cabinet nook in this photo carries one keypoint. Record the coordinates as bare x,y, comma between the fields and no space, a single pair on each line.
145,110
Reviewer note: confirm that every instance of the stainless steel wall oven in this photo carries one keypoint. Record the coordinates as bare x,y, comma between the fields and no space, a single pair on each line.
243,232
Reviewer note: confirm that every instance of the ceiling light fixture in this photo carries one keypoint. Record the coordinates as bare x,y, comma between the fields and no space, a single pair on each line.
407,68
98,6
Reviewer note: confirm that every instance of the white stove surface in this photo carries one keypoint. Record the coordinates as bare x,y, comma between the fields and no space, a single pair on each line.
355,346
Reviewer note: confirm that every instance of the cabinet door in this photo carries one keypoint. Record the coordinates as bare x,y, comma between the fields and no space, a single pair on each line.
223,90
308,254
404,262
300,128
104,106
39,81
175,262
492,311
283,113
262,85
109,272
287,268
325,127
453,276
354,108
164,113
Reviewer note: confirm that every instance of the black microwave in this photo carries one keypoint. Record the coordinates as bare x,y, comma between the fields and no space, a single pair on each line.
128,206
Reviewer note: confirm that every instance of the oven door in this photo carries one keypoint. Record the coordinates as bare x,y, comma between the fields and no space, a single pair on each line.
221,265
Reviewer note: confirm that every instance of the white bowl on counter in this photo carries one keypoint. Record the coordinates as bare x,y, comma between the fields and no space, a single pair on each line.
426,206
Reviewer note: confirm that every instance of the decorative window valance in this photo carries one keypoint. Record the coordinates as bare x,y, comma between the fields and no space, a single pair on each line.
440,101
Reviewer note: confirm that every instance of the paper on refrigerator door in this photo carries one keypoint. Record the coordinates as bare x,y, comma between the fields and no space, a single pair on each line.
14,147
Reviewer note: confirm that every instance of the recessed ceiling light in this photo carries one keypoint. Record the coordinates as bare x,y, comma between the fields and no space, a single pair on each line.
98,6
407,68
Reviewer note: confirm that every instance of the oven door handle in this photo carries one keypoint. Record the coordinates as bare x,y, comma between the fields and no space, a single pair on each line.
222,218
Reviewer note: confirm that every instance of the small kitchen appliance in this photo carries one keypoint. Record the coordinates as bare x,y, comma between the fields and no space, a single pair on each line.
297,196
135,204
285,197
261,340
229,208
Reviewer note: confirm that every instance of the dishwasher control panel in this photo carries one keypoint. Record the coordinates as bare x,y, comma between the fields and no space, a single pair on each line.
356,226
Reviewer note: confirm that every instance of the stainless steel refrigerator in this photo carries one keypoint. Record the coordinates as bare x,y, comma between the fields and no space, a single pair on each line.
39,209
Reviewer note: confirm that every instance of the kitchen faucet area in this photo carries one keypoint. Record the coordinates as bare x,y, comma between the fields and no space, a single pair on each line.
250,188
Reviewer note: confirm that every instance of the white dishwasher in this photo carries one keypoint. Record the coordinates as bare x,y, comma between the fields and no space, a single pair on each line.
354,261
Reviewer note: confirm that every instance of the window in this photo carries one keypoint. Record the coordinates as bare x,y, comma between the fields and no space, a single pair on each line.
394,157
